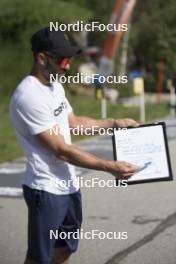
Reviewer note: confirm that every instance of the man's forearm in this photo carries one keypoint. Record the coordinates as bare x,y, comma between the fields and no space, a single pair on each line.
81,158
90,123
78,157
96,124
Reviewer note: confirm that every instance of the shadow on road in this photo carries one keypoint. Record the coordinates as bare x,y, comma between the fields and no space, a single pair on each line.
166,223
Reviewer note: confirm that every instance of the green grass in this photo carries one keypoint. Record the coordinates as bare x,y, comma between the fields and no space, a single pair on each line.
82,105
90,107
8,143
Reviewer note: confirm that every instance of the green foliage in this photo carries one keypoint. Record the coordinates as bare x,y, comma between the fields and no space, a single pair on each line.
19,19
153,34
15,63
152,37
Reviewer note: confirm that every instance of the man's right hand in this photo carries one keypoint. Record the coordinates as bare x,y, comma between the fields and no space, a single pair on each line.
121,169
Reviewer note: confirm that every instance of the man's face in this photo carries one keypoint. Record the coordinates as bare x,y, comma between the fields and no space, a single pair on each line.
53,65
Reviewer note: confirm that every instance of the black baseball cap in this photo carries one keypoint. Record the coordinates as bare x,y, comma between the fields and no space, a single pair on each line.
54,42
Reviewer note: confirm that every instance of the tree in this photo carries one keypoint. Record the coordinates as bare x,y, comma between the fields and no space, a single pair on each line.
19,19
153,34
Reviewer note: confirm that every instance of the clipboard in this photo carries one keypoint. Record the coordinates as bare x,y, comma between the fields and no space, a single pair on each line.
147,147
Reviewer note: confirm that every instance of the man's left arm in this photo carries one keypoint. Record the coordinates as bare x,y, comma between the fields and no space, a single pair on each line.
91,123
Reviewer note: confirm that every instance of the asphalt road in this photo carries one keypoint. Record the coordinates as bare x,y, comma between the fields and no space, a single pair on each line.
147,212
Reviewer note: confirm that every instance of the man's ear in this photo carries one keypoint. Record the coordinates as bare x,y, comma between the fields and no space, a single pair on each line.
41,59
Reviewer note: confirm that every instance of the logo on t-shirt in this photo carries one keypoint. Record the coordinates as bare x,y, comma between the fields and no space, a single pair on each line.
61,107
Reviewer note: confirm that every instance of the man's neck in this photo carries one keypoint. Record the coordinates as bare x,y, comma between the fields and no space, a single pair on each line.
37,73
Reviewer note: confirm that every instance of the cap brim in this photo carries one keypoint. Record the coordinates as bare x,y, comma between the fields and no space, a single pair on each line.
67,52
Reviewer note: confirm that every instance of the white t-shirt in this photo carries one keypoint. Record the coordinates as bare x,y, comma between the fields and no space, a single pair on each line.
35,108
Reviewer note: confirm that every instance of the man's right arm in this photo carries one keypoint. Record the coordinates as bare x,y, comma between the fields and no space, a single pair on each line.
81,158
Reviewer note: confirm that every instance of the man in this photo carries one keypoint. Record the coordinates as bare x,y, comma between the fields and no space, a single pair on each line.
36,108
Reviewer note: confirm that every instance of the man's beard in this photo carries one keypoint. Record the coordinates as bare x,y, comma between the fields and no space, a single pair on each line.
54,70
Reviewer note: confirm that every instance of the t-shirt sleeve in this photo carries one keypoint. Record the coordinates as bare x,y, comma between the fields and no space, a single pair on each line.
69,108
36,115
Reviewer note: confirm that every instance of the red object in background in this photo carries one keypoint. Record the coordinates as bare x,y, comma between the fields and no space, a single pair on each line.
160,80
120,15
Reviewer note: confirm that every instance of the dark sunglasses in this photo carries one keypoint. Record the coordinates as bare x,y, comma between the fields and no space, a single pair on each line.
61,62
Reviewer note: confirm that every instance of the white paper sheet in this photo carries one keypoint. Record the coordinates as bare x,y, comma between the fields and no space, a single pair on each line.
140,146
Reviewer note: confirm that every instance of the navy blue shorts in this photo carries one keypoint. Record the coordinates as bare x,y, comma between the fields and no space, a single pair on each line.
48,216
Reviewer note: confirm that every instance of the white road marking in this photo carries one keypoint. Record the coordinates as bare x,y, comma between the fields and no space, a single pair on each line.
18,192
12,192
9,170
